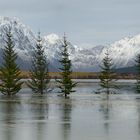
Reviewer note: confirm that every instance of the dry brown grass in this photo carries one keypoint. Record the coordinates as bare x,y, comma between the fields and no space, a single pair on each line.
75,75
81,75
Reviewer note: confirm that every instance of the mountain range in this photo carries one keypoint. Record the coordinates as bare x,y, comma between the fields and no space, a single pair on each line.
122,52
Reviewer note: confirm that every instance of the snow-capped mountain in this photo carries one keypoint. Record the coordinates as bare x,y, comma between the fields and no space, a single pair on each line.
122,52
23,38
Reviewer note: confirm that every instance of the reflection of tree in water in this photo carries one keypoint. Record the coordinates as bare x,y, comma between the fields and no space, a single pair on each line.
40,115
66,117
138,111
10,110
105,109
39,107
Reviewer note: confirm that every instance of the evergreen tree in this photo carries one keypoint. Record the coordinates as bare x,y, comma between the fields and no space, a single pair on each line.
66,84
9,71
39,72
138,73
107,75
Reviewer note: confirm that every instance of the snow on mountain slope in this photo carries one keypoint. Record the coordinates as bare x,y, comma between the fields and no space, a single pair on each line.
53,46
22,36
122,52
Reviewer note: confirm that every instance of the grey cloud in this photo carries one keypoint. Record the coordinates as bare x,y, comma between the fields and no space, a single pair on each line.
81,19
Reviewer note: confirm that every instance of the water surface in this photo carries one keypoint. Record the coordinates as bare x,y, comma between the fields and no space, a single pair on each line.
82,116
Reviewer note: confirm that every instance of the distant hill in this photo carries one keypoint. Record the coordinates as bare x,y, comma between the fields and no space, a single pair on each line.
127,70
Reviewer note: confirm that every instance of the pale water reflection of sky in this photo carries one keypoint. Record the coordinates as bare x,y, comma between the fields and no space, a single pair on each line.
85,21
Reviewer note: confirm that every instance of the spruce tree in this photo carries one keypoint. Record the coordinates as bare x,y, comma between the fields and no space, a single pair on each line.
65,84
39,72
138,73
9,72
107,75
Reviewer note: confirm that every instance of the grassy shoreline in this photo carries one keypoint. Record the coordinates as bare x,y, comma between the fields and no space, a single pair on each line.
82,75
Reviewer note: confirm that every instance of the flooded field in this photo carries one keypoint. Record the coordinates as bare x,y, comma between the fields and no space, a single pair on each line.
83,116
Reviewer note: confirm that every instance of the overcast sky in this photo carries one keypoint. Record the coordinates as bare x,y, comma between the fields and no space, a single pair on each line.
84,21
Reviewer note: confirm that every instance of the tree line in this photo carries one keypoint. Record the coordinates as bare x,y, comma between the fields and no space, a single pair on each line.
11,83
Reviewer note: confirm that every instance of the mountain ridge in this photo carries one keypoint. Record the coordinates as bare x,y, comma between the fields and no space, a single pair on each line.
123,52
